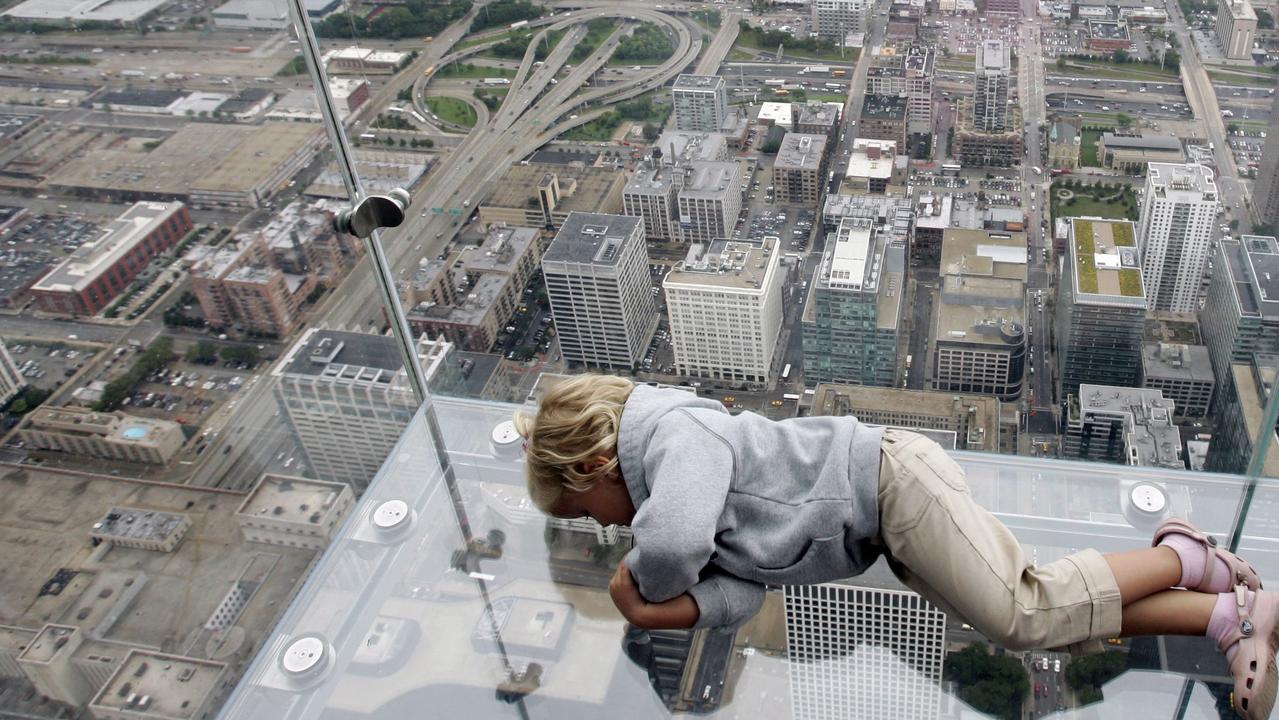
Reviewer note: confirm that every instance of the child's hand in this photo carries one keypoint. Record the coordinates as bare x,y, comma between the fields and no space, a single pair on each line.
626,595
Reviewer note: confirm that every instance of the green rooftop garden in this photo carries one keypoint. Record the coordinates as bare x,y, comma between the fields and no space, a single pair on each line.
1122,234
1130,282
1085,248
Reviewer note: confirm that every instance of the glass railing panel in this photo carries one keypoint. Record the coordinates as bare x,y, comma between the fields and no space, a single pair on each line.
409,620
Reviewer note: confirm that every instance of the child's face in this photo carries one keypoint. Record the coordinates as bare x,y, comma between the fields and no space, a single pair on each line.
608,502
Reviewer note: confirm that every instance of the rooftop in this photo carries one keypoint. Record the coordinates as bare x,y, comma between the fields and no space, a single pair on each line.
160,686
582,189
778,113
53,511
689,146
742,265
1176,361
1150,437
1181,183
351,357
710,180
1105,257
983,285
872,159
292,499
116,426
1108,30
85,10
883,107
1240,9
127,523
591,238
934,211
892,216
821,114
1141,142
992,57
876,405
119,238
1253,264
800,151
140,98
688,81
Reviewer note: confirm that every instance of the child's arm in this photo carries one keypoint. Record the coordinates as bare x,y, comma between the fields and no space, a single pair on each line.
719,600
677,613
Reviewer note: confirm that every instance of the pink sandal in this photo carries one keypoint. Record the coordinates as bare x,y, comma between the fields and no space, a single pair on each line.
1258,638
1244,573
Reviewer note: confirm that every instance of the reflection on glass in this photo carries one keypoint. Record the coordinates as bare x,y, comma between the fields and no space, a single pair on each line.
203,405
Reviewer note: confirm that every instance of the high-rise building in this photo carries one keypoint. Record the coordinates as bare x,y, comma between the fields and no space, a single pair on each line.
700,101
920,63
799,171
835,20
651,195
1131,426
87,281
1242,411
11,382
1240,316
1178,211
1265,193
990,96
347,399
709,199
977,340
853,314
1101,307
598,283
725,305
1236,28
860,652
973,420
1183,373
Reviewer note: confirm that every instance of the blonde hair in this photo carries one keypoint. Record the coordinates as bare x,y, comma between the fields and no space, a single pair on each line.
577,421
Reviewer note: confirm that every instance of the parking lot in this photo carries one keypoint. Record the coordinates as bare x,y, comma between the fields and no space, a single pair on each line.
30,249
48,366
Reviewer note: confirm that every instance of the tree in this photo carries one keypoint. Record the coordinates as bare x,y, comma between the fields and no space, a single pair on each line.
1123,119
204,352
993,684
1093,671
1061,63
240,354
1121,56
1265,21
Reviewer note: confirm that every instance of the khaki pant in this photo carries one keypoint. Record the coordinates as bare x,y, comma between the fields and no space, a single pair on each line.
945,547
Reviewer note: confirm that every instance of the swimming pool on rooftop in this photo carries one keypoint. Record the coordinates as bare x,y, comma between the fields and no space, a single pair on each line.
135,432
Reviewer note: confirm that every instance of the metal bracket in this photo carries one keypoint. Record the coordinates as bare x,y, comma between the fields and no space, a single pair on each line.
372,213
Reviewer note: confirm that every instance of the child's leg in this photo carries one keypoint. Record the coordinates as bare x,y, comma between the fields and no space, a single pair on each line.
958,555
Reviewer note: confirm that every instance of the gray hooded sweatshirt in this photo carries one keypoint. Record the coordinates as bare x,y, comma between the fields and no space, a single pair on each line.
728,504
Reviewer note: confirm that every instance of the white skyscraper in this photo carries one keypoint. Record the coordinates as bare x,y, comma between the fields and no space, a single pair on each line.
347,399
725,304
864,653
597,280
1178,211
11,382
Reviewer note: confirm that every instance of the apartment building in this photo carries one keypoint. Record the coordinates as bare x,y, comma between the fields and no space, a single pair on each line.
799,171
1178,213
725,307
598,284
700,102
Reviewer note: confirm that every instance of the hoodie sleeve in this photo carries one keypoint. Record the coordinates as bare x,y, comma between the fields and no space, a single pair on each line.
725,600
690,470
